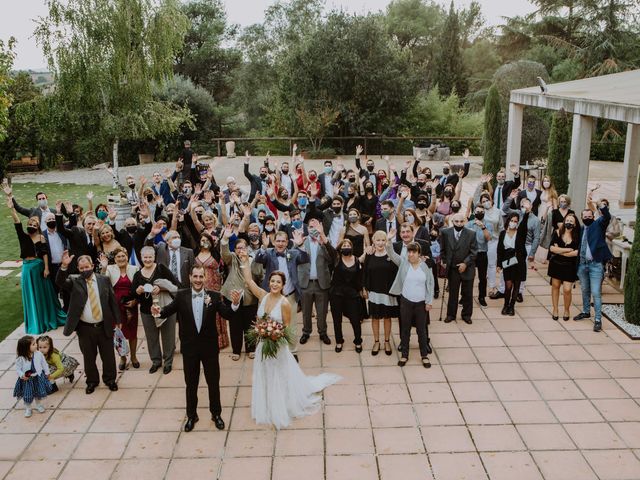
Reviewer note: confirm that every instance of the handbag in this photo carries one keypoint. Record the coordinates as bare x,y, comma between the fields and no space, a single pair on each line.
120,342
509,262
69,364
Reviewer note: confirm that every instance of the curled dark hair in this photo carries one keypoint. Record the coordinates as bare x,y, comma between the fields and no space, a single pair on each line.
23,349
279,274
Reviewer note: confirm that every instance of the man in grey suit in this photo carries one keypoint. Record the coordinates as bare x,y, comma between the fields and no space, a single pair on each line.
39,211
459,249
315,279
93,314
178,259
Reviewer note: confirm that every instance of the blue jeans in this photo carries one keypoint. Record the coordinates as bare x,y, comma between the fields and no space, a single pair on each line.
591,275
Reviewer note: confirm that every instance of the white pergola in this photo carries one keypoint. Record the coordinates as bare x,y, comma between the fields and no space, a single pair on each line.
613,97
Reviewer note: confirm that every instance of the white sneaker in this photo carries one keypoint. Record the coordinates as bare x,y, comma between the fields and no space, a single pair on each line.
27,412
40,408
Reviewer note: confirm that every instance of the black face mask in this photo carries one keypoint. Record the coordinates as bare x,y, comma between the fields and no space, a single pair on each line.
352,194
428,175
262,220
132,186
421,184
285,171
479,215
421,205
346,252
149,198
458,228
285,196
352,179
569,226
32,230
445,171
587,221
434,236
51,224
254,237
368,189
455,208
447,194
370,168
336,209
263,176
132,229
199,216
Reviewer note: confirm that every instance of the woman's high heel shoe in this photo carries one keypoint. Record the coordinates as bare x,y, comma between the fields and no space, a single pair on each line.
554,317
387,350
376,348
339,347
359,348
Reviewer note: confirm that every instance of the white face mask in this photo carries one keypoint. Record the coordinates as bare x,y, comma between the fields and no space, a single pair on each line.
546,184
409,219
523,209
486,205
43,203
513,225
175,243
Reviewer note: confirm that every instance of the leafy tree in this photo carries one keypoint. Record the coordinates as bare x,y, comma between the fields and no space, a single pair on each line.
106,55
315,121
559,151
481,60
492,138
6,62
449,70
632,285
414,23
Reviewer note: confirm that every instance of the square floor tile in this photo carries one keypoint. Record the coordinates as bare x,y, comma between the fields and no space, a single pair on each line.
464,373
93,469
48,446
510,465
388,394
382,375
473,391
46,469
457,466
515,391
132,398
142,469
563,465
398,440
574,411
544,371
631,385
345,395
448,356
196,467
347,416
439,414
290,468
116,420
629,432
430,392
584,369
413,467
619,410
484,413
250,444
349,442
254,468
151,445
494,438
601,388
558,390
362,467
70,421
545,437
161,420
208,444
594,436
447,439
12,445
531,353
401,415
101,446
299,442
614,464
504,371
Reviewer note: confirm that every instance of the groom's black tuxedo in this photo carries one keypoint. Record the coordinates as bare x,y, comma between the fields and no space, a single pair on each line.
197,347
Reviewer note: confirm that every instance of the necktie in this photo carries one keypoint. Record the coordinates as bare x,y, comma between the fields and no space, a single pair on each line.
280,254
389,226
174,264
197,295
499,197
93,301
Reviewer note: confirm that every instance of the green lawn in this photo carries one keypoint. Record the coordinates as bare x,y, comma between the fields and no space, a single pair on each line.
10,295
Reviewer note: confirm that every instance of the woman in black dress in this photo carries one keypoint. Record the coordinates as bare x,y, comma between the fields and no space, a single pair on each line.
512,259
344,295
355,232
563,263
379,274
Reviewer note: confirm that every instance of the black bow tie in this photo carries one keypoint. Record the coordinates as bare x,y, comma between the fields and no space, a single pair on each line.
281,254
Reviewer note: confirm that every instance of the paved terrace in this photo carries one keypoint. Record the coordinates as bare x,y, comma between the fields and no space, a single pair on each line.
507,397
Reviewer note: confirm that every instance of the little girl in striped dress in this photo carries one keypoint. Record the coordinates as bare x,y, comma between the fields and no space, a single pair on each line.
33,370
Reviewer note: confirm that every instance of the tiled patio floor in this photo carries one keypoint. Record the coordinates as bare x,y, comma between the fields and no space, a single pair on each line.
507,397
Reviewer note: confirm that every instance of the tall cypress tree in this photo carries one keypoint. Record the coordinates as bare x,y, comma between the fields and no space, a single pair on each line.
492,138
631,285
559,151
449,73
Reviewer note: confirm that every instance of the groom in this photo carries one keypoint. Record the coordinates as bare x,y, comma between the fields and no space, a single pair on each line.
196,309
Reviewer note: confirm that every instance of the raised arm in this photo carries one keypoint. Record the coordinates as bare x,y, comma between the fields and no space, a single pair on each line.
258,292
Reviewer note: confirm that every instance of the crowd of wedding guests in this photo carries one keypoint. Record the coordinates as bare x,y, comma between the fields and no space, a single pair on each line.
372,242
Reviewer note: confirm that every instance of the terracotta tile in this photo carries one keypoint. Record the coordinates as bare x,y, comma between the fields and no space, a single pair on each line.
345,395
70,421
520,339
161,420
448,340
142,469
131,398
564,353
574,411
93,469
151,445
544,371
14,422
493,438
532,353
401,415
488,339
101,446
250,444
350,375
398,440
556,338
413,467
545,437
121,420
300,442
449,356
349,442
348,416
289,468
463,373
621,368
77,399
241,420
12,445
382,375
507,325
515,391
168,398
484,413
430,392
200,444
362,467
607,352
619,410
493,354
141,378
629,432
387,394
310,421
439,414
457,466
417,374
196,467
529,412
510,465
447,439
52,446
473,391
614,464
601,388
253,468
563,465
584,369
47,469
504,371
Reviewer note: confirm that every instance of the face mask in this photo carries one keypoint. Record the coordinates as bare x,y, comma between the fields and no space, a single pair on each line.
312,177
285,171
422,206
254,237
385,184
186,190
352,194
327,169
132,186
86,274
353,219
531,185
370,168
285,196
43,203
458,228
263,176
205,245
132,229
32,230
486,205
385,213
587,221
268,228
568,226
175,243
480,215
51,224
434,236
563,204
297,224
336,210
523,209
164,229
236,221
428,175
447,194
445,170
262,220
149,198
513,225
102,215
352,179
314,233
368,189
500,181
347,252
409,219
546,184
303,202
420,184
455,208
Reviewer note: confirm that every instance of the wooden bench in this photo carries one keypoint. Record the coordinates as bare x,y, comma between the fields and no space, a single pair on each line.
24,164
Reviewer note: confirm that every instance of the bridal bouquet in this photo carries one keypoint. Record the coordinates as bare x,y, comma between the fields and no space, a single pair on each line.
272,335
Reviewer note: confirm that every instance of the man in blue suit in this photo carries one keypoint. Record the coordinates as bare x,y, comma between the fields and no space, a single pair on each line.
285,260
594,254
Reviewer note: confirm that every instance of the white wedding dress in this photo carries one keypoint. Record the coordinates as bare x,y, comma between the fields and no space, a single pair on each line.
280,390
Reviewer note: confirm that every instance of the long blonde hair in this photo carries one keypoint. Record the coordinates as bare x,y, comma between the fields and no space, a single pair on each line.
552,194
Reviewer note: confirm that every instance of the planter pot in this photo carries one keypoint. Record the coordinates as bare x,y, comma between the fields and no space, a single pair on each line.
231,149
145,158
66,166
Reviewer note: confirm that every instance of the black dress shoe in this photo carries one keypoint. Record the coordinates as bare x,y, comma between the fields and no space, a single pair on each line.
188,426
217,419
166,369
512,311
519,298
496,296
154,368
505,310
482,301
325,339
467,320
449,320
113,386
304,338
581,316
91,387
295,355
597,326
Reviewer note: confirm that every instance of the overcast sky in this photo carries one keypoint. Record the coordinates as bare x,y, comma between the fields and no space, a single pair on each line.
17,18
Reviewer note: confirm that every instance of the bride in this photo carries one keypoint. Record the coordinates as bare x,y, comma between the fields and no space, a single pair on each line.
280,390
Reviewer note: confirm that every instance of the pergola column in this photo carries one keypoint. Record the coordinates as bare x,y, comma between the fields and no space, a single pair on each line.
514,136
579,161
631,160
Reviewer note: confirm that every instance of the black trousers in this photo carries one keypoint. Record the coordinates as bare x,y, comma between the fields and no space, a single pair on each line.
350,308
53,271
482,264
459,288
93,340
211,368
238,327
416,314
434,270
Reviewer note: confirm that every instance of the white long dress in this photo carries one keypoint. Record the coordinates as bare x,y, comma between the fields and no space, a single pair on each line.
280,390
